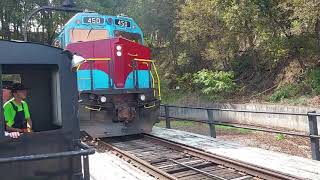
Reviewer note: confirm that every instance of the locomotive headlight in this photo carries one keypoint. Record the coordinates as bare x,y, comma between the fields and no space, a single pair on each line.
119,53
142,97
103,99
119,48
77,61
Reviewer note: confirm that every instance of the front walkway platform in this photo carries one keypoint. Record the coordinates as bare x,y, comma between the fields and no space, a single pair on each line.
106,166
293,165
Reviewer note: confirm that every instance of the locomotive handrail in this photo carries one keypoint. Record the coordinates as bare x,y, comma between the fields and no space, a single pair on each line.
143,60
95,59
99,59
158,79
156,72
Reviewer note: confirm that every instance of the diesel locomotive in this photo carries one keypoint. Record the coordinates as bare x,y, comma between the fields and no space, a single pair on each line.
118,84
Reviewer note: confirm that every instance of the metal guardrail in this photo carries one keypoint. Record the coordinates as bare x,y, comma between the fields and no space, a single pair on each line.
311,117
83,150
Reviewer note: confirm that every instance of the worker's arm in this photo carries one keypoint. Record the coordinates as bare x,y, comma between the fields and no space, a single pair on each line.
28,117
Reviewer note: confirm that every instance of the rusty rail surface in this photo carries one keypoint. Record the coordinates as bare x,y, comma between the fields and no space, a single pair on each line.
164,159
141,164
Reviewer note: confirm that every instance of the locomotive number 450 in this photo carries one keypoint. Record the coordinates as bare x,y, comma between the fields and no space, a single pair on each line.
93,20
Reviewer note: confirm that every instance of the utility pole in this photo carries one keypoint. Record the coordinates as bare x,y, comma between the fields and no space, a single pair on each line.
67,6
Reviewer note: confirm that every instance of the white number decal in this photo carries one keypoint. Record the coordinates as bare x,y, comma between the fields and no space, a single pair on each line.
93,20
123,23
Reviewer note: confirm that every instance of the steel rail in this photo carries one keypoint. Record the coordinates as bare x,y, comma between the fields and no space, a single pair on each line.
250,169
141,164
198,170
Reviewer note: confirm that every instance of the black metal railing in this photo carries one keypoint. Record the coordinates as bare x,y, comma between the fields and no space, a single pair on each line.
83,151
311,118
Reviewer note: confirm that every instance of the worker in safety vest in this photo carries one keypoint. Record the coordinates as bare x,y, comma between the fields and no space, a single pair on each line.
6,95
16,111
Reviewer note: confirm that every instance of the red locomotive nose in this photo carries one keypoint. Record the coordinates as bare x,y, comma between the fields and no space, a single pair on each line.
115,57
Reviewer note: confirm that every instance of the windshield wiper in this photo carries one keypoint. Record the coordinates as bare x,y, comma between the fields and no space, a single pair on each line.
89,32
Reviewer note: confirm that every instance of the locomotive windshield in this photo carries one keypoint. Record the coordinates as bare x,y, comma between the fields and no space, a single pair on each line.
83,35
84,27
135,37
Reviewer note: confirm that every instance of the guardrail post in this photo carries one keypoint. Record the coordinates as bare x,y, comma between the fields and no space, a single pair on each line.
211,124
313,129
166,110
86,171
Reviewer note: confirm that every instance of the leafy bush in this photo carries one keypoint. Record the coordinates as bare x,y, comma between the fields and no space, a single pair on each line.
313,80
280,137
214,83
185,81
284,92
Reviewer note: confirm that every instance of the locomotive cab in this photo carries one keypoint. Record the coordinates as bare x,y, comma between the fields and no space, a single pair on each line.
53,150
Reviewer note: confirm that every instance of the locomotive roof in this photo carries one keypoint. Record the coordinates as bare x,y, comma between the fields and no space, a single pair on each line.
21,52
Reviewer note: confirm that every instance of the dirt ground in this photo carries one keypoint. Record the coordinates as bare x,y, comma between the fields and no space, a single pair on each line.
292,145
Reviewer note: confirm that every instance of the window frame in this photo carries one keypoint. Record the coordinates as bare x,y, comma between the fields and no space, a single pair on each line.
140,41
2,121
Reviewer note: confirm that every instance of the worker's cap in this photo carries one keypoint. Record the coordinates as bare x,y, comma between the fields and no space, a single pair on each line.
7,84
18,87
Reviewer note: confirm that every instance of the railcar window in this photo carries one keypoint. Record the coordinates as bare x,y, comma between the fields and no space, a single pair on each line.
83,35
43,93
11,77
135,37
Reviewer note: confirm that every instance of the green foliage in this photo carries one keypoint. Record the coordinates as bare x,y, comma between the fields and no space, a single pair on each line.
253,39
185,82
232,129
283,92
170,95
280,137
242,64
313,80
303,100
214,83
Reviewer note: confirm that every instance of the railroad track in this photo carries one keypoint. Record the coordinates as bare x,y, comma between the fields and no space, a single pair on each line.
164,159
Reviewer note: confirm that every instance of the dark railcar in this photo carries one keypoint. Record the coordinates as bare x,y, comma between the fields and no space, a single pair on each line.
53,150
